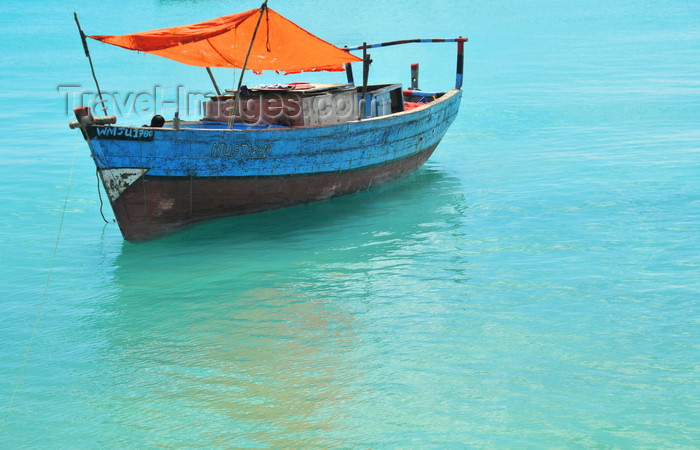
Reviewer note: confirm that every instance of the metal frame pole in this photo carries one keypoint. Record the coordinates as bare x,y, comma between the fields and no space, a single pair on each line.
213,80
460,62
263,8
103,107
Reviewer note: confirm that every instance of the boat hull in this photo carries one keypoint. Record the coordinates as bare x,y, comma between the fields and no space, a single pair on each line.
162,179
153,205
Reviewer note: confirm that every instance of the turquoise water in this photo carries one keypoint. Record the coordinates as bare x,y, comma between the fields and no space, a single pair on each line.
536,284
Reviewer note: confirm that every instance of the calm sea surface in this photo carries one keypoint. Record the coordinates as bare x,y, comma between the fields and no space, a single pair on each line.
535,284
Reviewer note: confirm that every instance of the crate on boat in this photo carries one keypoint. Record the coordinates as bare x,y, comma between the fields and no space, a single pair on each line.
287,105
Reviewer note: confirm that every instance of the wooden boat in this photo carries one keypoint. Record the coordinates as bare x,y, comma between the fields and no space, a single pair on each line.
285,145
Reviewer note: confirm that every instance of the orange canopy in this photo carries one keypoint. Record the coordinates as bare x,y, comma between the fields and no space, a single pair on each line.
223,42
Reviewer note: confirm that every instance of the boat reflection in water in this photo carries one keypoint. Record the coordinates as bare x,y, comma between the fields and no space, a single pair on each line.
282,348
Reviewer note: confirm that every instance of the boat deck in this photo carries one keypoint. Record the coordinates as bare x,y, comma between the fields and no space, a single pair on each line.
305,104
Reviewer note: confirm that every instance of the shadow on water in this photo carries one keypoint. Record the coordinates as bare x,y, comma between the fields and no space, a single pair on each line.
250,321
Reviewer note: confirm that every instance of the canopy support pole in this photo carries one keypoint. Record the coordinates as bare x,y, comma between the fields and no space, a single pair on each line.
365,76
102,107
348,70
213,80
348,73
245,63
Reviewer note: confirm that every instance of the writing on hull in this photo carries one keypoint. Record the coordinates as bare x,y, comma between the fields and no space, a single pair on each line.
121,133
248,151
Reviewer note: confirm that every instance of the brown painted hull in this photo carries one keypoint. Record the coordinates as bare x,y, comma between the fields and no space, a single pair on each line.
153,205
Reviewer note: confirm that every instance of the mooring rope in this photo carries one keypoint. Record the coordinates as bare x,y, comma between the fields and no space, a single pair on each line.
99,194
43,296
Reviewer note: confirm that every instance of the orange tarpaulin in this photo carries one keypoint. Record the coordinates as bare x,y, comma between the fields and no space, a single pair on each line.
223,42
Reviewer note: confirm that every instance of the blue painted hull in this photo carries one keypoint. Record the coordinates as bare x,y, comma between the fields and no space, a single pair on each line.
159,179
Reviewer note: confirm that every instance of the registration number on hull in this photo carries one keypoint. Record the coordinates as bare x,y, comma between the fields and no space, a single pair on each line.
121,133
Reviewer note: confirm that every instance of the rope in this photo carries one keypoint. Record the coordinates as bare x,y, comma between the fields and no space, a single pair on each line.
99,194
43,296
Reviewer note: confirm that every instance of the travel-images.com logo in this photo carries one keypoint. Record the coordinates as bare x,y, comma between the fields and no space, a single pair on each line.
283,107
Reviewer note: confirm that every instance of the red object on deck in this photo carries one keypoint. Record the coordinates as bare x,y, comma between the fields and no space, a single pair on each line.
407,106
